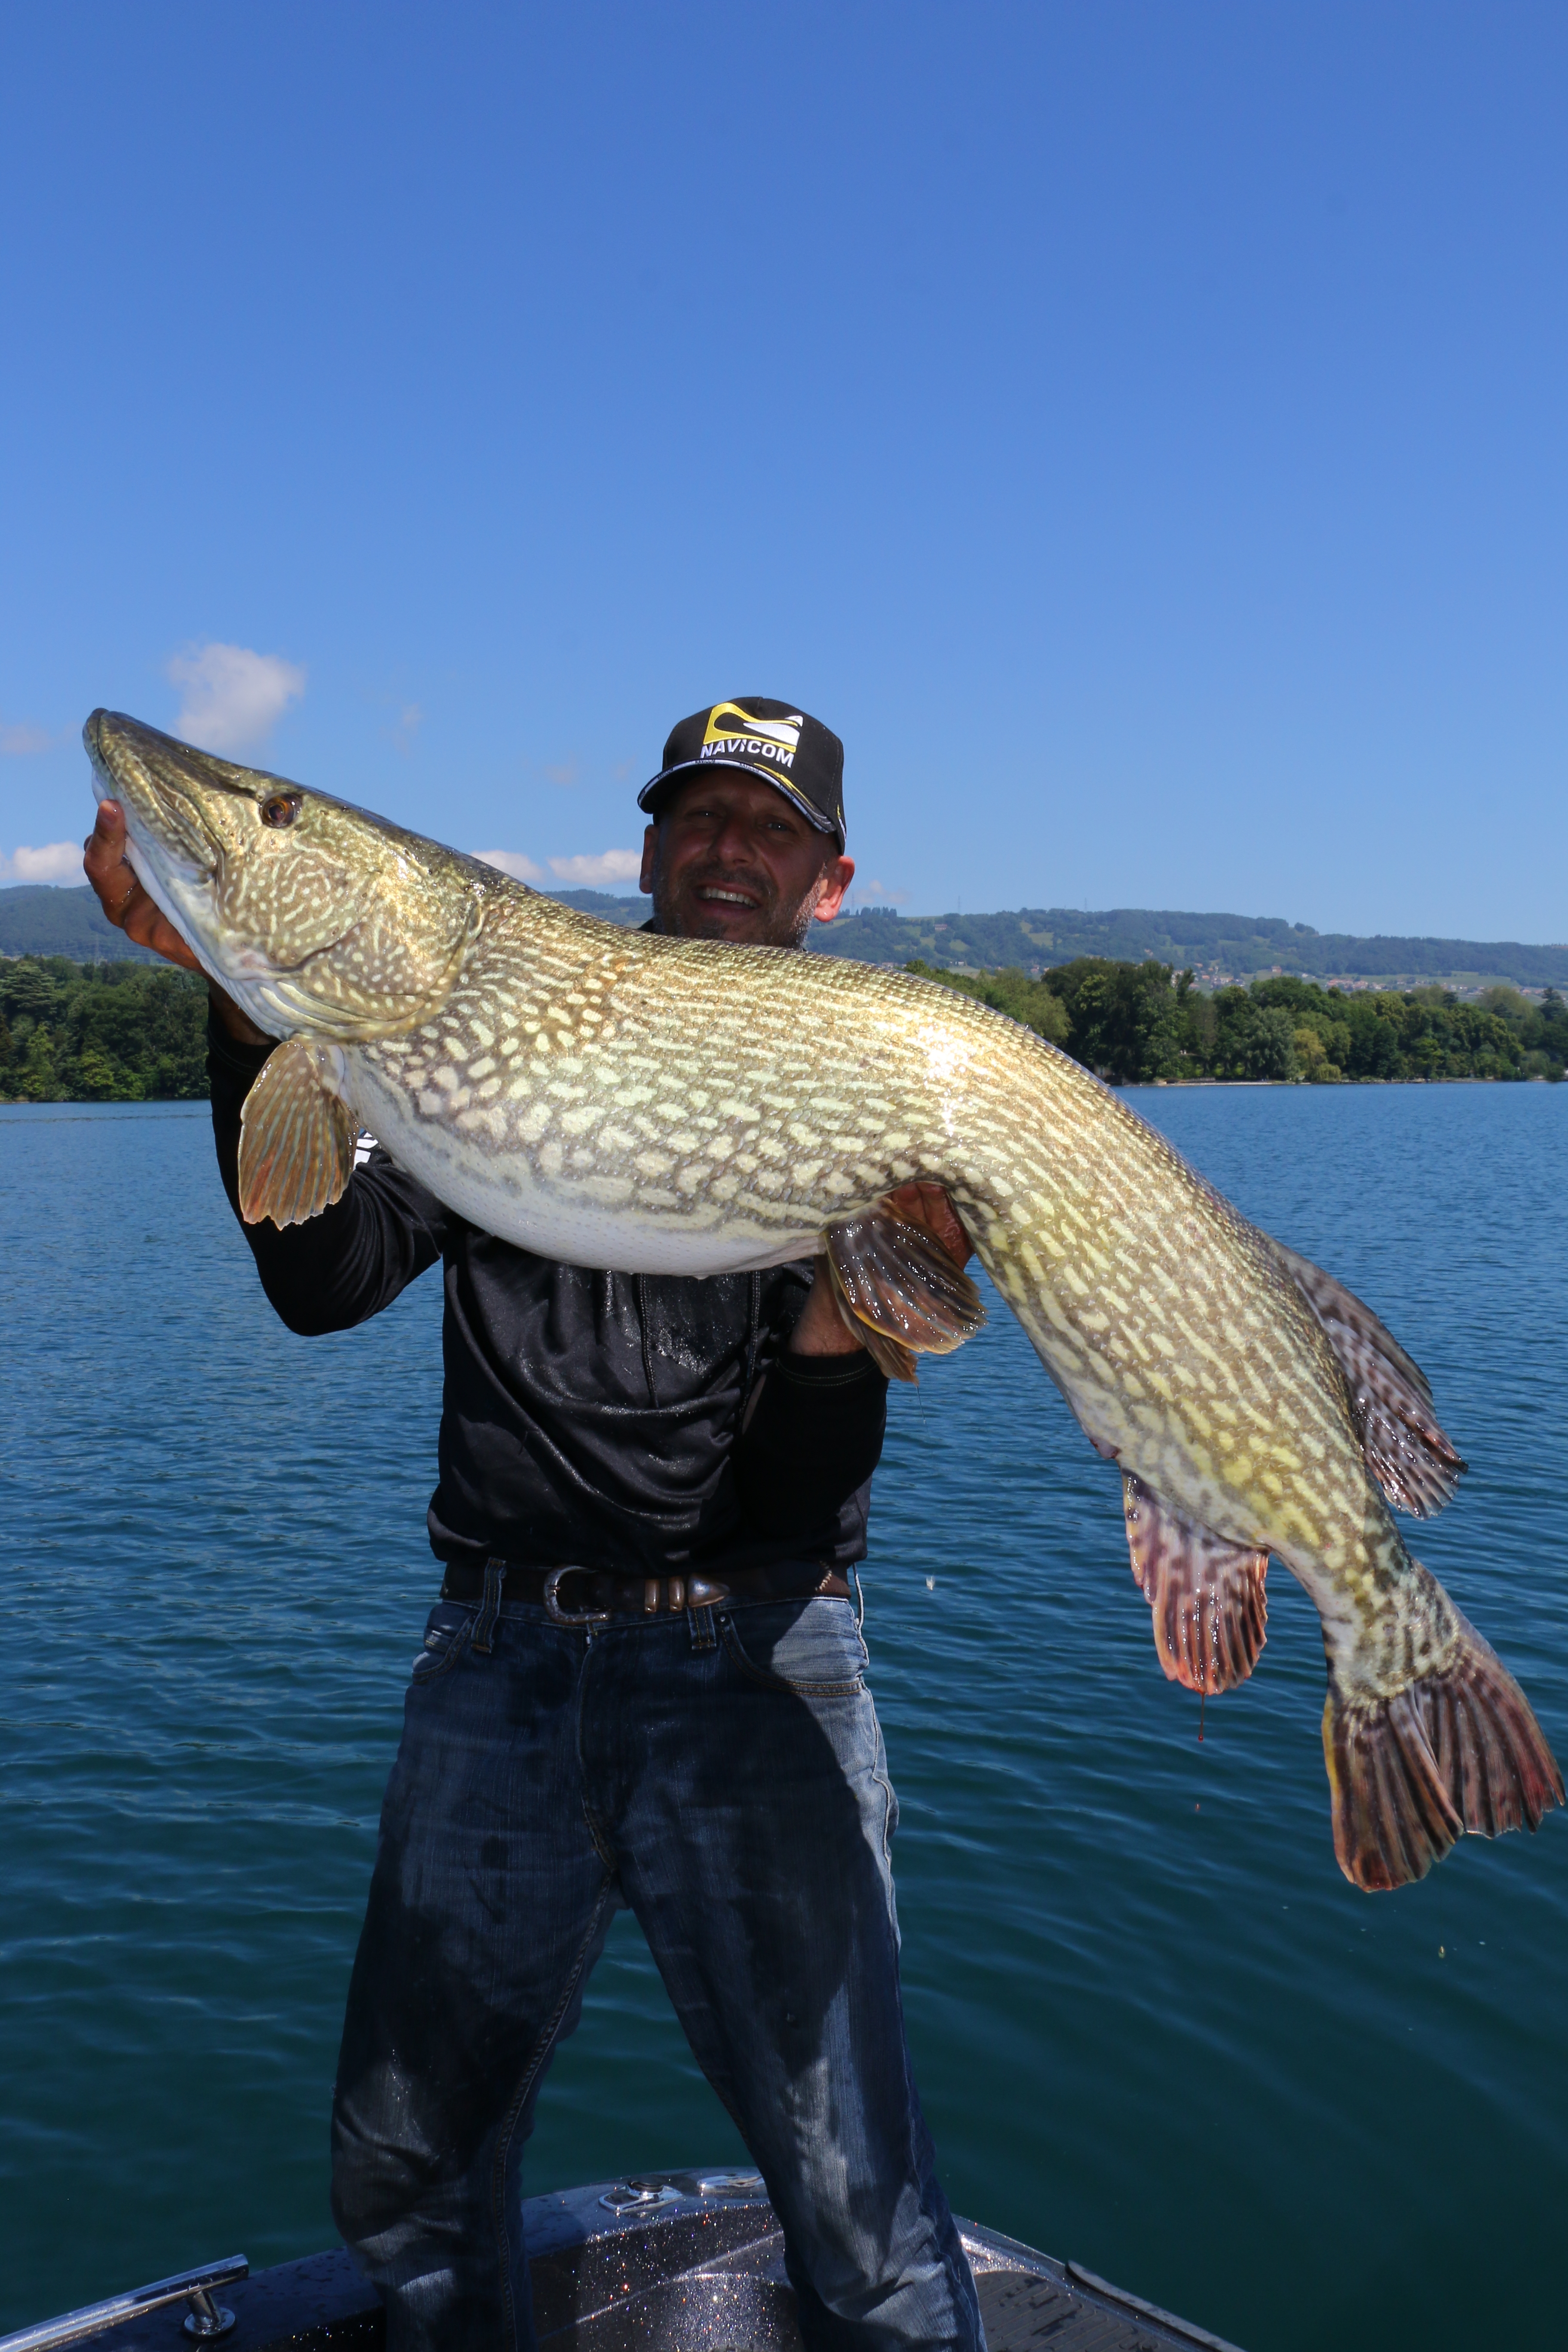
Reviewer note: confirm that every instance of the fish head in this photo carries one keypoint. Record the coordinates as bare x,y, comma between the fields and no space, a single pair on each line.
313,914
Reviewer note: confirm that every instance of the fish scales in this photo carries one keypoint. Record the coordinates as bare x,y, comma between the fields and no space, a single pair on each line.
684,1106
951,1077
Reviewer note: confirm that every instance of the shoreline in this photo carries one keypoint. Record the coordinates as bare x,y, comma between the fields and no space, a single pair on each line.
1117,1086
1333,1086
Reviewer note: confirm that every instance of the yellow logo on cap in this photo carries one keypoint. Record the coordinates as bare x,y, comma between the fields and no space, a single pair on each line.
776,739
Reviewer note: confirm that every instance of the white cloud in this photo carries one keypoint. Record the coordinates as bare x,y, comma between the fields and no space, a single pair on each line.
16,742
232,697
58,861
611,871
599,873
410,719
512,862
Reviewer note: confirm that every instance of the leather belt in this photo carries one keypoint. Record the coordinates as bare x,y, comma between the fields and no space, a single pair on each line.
591,1596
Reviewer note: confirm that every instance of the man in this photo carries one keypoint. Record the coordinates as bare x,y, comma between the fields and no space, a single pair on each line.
643,1681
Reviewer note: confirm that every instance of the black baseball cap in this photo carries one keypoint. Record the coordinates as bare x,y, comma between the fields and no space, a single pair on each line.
799,756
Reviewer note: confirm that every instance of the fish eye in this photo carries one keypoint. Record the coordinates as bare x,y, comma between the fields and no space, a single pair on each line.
282,808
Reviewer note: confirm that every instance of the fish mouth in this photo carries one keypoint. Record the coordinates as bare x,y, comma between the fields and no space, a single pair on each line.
161,783
171,794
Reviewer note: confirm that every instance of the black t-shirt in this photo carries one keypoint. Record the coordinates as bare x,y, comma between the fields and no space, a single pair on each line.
639,1422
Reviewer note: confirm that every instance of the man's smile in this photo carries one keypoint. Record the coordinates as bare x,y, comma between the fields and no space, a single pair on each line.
730,856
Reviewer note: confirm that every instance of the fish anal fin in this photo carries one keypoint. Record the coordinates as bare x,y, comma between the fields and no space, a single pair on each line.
895,1281
1206,1595
1406,1450
296,1136
1457,1750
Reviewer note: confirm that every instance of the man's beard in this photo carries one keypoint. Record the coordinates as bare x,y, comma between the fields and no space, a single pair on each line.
685,914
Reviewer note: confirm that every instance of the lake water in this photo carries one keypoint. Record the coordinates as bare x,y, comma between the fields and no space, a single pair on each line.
1156,2029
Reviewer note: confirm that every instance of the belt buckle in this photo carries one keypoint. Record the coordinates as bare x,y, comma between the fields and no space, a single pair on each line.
558,1616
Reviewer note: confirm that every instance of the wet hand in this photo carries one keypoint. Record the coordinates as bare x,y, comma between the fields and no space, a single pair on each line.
822,1329
927,1206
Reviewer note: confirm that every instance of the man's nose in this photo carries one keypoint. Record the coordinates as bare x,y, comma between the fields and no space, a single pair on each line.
732,842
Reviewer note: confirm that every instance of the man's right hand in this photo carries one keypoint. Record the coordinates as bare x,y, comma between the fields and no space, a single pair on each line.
130,910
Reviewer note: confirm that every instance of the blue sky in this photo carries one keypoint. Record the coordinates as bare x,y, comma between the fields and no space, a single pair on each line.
1139,430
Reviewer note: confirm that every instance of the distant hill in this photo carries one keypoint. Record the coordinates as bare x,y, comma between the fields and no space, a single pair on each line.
38,918
1216,946
629,912
35,920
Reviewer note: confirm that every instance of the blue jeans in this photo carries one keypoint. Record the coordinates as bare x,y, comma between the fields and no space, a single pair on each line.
727,1781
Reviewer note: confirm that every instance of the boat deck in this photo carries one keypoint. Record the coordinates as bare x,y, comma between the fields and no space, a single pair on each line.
678,2261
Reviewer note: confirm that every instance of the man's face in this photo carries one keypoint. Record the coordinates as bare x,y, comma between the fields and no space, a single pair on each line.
730,858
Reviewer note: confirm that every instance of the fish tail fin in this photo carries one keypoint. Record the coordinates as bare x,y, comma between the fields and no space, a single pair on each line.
1458,1750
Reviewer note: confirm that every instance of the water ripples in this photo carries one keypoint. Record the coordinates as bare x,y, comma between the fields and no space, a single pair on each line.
1154,2027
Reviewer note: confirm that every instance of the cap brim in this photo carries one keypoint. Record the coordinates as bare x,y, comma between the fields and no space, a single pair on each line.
653,792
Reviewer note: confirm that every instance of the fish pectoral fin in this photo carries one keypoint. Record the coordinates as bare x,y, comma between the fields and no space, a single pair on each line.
296,1137
901,1294
1206,1594
1459,1749
891,1357
1406,1450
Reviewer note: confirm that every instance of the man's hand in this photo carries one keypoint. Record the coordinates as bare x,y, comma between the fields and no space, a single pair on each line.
120,894
130,910
927,1205
821,1329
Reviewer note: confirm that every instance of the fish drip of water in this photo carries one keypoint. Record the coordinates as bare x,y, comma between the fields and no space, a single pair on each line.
613,1099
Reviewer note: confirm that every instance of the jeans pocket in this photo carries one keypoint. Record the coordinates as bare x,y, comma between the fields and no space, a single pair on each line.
812,1646
447,1631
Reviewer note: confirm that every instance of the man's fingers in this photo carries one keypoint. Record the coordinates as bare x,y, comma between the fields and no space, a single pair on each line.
121,896
149,927
104,864
928,1205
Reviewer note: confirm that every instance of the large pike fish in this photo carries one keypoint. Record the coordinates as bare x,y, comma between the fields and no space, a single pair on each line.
668,1106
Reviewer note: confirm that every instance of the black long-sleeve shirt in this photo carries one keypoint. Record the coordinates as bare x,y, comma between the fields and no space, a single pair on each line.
637,1423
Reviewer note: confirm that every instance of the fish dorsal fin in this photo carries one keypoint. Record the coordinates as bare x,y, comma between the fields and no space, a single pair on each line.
1207,1595
1406,1451
901,1294
296,1136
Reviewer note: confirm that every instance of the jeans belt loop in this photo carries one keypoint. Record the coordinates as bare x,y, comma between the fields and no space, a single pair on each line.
490,1608
577,1617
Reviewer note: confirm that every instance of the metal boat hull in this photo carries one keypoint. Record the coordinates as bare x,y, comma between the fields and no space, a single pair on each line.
675,2261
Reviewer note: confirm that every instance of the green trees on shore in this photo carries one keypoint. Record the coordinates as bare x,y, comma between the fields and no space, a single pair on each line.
1136,1022
135,1032
100,1032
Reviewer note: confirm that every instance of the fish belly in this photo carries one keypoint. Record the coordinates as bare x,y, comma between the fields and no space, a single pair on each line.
592,1218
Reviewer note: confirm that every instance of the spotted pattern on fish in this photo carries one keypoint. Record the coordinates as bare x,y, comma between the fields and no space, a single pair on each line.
656,1105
